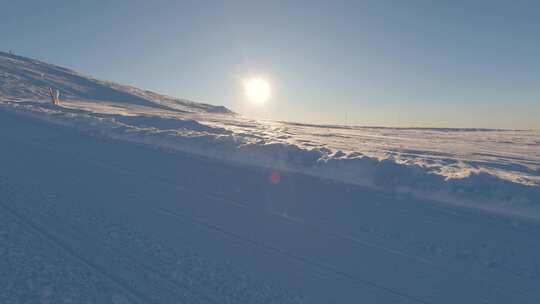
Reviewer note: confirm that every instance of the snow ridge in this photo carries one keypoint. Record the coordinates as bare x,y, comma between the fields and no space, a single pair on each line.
477,189
497,170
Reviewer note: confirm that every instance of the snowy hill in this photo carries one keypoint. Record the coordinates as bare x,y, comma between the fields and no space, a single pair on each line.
27,79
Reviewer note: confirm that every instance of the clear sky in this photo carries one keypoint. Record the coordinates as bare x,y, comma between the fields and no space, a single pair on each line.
392,63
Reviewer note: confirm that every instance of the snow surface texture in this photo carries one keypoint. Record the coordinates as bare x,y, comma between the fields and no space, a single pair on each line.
496,170
84,219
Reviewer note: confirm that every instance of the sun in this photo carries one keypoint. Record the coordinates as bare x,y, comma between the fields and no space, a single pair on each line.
257,90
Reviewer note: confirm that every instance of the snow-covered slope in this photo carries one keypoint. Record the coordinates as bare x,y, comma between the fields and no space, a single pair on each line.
89,220
124,196
497,170
28,79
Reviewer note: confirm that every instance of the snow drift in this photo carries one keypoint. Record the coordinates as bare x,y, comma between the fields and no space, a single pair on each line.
503,176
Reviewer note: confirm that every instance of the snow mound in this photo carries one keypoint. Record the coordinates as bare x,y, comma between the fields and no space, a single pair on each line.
476,188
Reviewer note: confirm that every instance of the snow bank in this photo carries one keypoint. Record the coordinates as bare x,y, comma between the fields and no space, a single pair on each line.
476,189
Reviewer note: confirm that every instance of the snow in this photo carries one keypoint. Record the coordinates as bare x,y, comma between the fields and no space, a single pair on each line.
496,170
130,196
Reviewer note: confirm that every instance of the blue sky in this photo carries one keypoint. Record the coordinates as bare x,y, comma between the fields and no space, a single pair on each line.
392,63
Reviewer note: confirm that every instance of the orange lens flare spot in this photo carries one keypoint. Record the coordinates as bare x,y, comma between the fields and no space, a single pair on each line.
275,177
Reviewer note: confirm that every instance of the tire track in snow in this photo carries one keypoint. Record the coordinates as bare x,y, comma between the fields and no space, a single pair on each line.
115,249
140,297
292,256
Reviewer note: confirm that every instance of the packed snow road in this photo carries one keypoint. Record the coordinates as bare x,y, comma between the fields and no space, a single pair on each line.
84,219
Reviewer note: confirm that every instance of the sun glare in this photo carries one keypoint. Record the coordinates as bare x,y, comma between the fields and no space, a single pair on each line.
257,90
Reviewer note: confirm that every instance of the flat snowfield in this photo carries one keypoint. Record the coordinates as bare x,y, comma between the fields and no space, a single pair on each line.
85,219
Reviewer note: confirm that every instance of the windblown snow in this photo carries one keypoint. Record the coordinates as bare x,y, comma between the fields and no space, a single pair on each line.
496,170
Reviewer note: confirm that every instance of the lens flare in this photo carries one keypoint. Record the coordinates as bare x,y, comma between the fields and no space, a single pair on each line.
275,177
